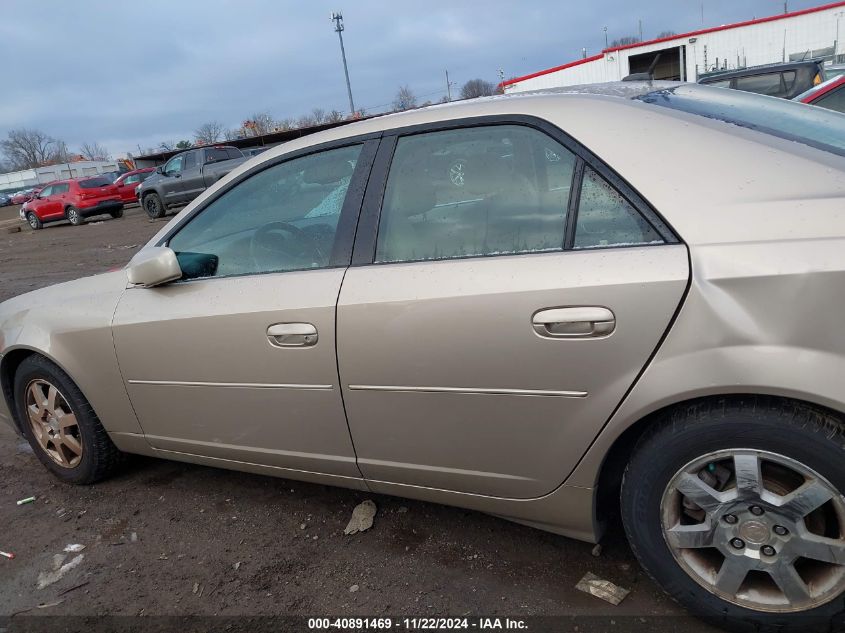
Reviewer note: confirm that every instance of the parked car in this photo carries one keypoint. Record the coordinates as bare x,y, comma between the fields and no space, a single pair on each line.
830,94
73,200
24,196
128,182
5,200
569,339
775,80
185,176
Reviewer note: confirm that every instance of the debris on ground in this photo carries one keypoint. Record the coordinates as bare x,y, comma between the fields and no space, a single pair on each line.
403,509
353,589
73,548
133,538
25,501
8,555
604,589
236,566
40,606
596,551
362,517
60,568
74,588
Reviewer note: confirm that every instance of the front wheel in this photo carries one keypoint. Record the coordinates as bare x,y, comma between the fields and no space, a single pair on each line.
153,206
735,508
73,216
34,221
60,424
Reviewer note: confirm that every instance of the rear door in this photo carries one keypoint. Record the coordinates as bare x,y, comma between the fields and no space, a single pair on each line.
490,324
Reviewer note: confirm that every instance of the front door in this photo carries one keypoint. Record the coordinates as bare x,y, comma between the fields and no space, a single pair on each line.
237,360
494,331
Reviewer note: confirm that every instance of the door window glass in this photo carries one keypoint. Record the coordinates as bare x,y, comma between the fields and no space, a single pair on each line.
607,219
490,190
173,166
190,161
46,191
215,154
62,188
131,180
283,218
833,100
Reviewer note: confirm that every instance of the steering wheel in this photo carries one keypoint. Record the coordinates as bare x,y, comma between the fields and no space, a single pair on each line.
283,241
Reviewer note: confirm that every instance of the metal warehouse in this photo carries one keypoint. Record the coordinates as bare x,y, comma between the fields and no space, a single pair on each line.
810,33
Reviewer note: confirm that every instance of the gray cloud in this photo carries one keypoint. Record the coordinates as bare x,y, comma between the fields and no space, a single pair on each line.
125,74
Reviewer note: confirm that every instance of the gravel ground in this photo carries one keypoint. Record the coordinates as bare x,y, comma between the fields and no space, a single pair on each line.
164,538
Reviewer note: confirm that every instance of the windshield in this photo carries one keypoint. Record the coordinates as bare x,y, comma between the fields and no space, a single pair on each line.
816,127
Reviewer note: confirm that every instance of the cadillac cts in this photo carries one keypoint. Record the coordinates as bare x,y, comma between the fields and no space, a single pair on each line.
548,307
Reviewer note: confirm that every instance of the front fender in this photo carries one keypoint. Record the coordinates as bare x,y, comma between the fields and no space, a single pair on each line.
71,325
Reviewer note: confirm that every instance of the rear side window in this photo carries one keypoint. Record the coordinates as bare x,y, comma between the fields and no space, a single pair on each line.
216,154
493,190
93,183
234,152
190,160
606,218
768,84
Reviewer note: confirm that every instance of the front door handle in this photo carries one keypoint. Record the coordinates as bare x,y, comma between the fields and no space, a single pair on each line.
576,322
292,334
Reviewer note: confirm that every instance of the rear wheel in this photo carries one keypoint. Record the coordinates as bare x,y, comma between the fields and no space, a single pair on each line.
153,206
116,214
735,508
73,216
34,222
60,424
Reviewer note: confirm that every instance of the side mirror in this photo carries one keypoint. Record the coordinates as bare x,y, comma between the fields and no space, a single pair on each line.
153,267
160,170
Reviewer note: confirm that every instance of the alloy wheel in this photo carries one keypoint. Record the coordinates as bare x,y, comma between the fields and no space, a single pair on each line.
757,529
54,423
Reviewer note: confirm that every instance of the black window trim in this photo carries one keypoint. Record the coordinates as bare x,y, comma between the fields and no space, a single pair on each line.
365,240
348,221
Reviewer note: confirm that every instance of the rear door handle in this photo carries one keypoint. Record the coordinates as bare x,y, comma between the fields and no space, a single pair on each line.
576,322
292,334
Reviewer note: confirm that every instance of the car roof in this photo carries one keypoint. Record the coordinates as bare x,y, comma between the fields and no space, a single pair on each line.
757,70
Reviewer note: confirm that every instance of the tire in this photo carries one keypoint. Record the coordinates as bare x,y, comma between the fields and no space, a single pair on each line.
153,206
87,452
73,216
34,221
116,214
766,436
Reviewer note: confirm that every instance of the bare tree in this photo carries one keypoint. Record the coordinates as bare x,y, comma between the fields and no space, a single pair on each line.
625,41
405,99
166,146
231,135
477,88
259,124
305,121
319,115
209,133
24,149
666,34
335,116
94,151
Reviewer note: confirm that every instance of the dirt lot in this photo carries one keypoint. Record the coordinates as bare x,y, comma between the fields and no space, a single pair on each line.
171,539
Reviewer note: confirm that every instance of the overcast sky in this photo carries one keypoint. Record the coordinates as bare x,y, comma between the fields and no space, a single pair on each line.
137,73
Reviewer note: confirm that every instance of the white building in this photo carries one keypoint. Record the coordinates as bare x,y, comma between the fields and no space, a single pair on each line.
17,180
810,33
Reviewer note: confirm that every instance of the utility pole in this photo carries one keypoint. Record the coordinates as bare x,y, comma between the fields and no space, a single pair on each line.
448,87
605,38
641,30
337,18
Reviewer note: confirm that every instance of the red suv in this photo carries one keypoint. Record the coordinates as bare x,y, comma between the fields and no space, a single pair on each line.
127,183
73,200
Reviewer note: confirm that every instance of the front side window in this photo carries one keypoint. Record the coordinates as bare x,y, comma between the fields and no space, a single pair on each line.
283,218
833,100
173,166
605,218
491,190
46,191
62,188
131,180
